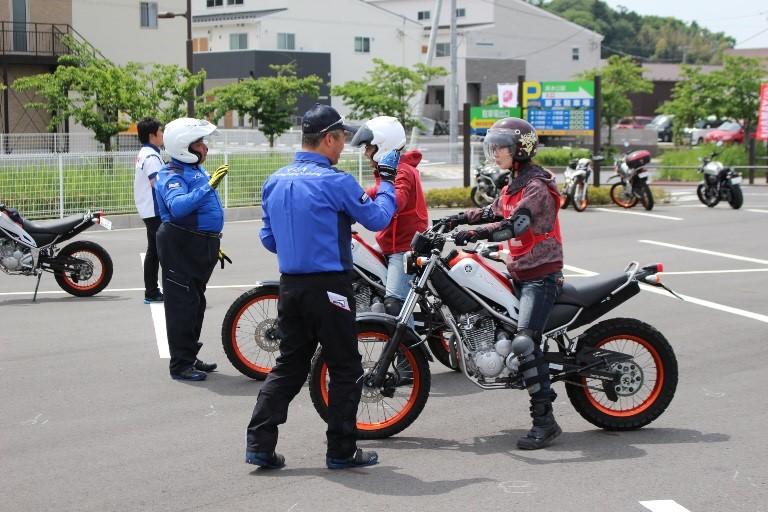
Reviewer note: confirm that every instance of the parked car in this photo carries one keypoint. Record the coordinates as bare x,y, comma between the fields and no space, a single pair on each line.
662,124
637,122
701,128
730,131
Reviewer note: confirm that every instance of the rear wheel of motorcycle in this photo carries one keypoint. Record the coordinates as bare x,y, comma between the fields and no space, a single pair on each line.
618,197
479,198
646,197
737,197
710,201
377,415
94,256
249,332
565,198
580,197
648,381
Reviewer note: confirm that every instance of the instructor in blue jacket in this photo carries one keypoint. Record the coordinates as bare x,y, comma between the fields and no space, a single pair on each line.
309,207
188,240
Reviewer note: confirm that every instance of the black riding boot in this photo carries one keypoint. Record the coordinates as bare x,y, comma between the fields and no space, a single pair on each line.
545,428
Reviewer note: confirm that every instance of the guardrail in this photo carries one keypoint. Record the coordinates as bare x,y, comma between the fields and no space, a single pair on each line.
751,169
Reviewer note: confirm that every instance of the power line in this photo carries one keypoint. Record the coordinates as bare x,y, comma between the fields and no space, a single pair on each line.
752,36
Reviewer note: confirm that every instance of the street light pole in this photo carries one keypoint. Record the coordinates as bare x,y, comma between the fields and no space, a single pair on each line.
188,16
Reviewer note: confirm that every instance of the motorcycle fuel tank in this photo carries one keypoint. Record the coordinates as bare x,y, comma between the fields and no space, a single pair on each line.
470,271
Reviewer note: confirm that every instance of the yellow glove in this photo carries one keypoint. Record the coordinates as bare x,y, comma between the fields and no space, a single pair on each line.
223,257
218,175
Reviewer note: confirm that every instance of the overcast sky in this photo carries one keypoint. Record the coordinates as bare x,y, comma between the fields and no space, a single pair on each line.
744,20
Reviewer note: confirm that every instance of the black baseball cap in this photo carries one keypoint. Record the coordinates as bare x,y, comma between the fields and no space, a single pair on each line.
322,118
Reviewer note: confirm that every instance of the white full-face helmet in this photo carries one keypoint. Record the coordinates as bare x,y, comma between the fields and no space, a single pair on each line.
384,132
182,132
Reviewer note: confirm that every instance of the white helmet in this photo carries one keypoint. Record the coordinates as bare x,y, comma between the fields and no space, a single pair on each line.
182,132
384,132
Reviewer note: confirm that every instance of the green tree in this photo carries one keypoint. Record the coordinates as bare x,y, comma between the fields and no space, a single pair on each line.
692,99
269,100
166,89
100,95
619,77
389,90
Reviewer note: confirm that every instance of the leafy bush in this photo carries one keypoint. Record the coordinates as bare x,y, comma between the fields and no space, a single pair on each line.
559,157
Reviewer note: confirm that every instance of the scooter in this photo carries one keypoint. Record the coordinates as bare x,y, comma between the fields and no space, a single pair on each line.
28,248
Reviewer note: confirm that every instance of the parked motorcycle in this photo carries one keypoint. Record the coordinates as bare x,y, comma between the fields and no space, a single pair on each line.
249,333
620,374
29,248
489,180
633,187
720,183
576,187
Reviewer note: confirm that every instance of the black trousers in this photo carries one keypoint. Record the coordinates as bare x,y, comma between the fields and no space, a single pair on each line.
188,260
311,309
151,260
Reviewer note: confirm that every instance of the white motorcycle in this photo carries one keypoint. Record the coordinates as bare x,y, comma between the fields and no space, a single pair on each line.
29,248
249,333
620,374
576,187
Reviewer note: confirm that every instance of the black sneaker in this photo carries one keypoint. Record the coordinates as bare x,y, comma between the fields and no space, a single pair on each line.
359,459
265,460
149,299
204,367
189,374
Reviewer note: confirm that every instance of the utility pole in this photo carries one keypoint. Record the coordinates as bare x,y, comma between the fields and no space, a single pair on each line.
453,139
188,16
421,98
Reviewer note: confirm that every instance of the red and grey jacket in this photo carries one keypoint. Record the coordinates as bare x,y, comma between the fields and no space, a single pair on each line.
411,215
538,251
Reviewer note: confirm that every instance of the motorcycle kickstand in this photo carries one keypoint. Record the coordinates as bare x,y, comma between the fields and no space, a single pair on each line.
34,297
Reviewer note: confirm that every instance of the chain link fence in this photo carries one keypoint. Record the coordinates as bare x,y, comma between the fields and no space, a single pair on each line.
58,184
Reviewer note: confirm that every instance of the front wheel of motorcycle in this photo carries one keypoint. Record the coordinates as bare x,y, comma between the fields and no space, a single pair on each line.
737,197
249,332
380,415
480,198
580,197
706,199
84,268
646,197
620,198
644,385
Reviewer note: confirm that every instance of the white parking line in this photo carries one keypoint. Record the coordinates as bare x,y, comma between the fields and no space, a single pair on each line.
663,506
60,292
687,298
158,320
705,251
755,210
654,215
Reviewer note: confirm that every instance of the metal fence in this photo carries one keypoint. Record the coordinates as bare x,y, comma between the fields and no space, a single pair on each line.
54,185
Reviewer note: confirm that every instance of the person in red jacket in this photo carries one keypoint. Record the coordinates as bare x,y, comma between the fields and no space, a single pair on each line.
524,216
381,135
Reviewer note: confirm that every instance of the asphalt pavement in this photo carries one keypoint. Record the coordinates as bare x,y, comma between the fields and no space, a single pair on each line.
92,422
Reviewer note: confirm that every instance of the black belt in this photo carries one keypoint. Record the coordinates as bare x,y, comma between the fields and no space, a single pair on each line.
208,234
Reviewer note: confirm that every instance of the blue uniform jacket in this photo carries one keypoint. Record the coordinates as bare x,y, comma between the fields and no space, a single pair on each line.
186,199
309,207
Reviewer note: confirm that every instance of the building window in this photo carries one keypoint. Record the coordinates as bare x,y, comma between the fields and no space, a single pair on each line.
363,44
234,2
148,14
443,50
238,41
286,41
214,3
461,12
574,54
423,15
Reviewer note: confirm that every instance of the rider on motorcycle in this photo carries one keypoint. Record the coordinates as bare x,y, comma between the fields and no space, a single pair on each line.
525,216
381,135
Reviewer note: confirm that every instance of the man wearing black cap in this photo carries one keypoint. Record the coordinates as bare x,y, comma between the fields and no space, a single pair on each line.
309,207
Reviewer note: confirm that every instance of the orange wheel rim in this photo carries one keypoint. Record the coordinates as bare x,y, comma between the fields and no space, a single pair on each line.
365,421
653,393
89,285
236,340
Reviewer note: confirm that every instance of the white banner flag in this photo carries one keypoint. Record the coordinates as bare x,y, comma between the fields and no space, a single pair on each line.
507,95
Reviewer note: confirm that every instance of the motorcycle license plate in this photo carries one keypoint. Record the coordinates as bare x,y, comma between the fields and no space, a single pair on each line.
105,222
735,180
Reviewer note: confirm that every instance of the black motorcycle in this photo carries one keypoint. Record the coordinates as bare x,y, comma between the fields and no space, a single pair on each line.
28,248
489,180
720,183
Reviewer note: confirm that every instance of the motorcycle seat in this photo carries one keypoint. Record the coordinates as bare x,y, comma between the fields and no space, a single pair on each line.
52,227
587,291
